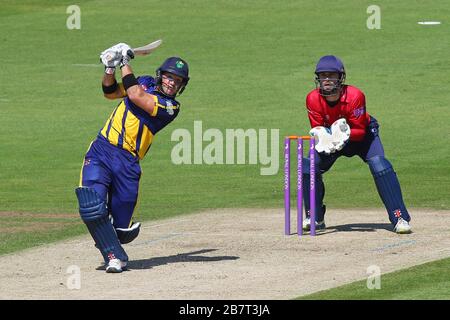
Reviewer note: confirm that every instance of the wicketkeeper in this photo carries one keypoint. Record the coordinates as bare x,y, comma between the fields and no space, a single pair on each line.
110,175
340,123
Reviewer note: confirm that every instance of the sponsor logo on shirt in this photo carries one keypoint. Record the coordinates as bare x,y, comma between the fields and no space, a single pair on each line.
169,108
359,112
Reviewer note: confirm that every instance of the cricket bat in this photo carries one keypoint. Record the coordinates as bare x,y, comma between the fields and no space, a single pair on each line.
147,49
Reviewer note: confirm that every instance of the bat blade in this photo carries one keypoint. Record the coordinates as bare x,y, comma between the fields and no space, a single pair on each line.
147,49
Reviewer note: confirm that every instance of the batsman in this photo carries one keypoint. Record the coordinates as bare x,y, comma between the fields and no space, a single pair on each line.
342,127
110,175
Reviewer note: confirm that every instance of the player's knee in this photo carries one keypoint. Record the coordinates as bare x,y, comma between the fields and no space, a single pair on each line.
126,235
91,206
379,166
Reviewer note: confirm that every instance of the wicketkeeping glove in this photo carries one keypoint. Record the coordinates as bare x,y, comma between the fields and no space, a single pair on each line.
340,132
324,140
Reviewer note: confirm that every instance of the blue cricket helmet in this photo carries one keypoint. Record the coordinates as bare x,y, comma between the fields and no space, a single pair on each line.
330,63
176,66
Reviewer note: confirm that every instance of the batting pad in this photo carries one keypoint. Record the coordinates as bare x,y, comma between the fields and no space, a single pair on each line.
94,214
388,188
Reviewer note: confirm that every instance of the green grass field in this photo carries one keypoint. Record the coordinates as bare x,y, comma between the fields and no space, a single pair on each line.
422,282
251,65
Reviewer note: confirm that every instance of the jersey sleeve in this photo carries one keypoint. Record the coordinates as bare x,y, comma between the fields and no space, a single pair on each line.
165,112
313,108
146,81
357,119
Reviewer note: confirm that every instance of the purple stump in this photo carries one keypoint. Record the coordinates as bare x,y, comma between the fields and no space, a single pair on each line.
287,189
312,189
300,186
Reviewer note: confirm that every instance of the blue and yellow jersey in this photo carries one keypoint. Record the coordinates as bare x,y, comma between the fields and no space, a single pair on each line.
131,128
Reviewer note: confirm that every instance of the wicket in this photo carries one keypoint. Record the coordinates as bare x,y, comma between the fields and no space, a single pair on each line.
287,184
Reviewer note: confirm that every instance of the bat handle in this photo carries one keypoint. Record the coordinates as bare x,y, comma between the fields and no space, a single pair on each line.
130,53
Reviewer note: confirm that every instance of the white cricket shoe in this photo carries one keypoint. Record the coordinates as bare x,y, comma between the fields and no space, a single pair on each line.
115,266
402,227
307,224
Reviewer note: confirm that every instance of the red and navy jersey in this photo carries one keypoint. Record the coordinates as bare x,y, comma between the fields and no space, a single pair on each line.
131,128
351,106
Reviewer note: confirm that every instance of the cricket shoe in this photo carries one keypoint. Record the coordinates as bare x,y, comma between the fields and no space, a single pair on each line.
319,225
402,227
307,224
115,266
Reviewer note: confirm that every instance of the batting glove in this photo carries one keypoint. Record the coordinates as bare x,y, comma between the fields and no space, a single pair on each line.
127,55
112,56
